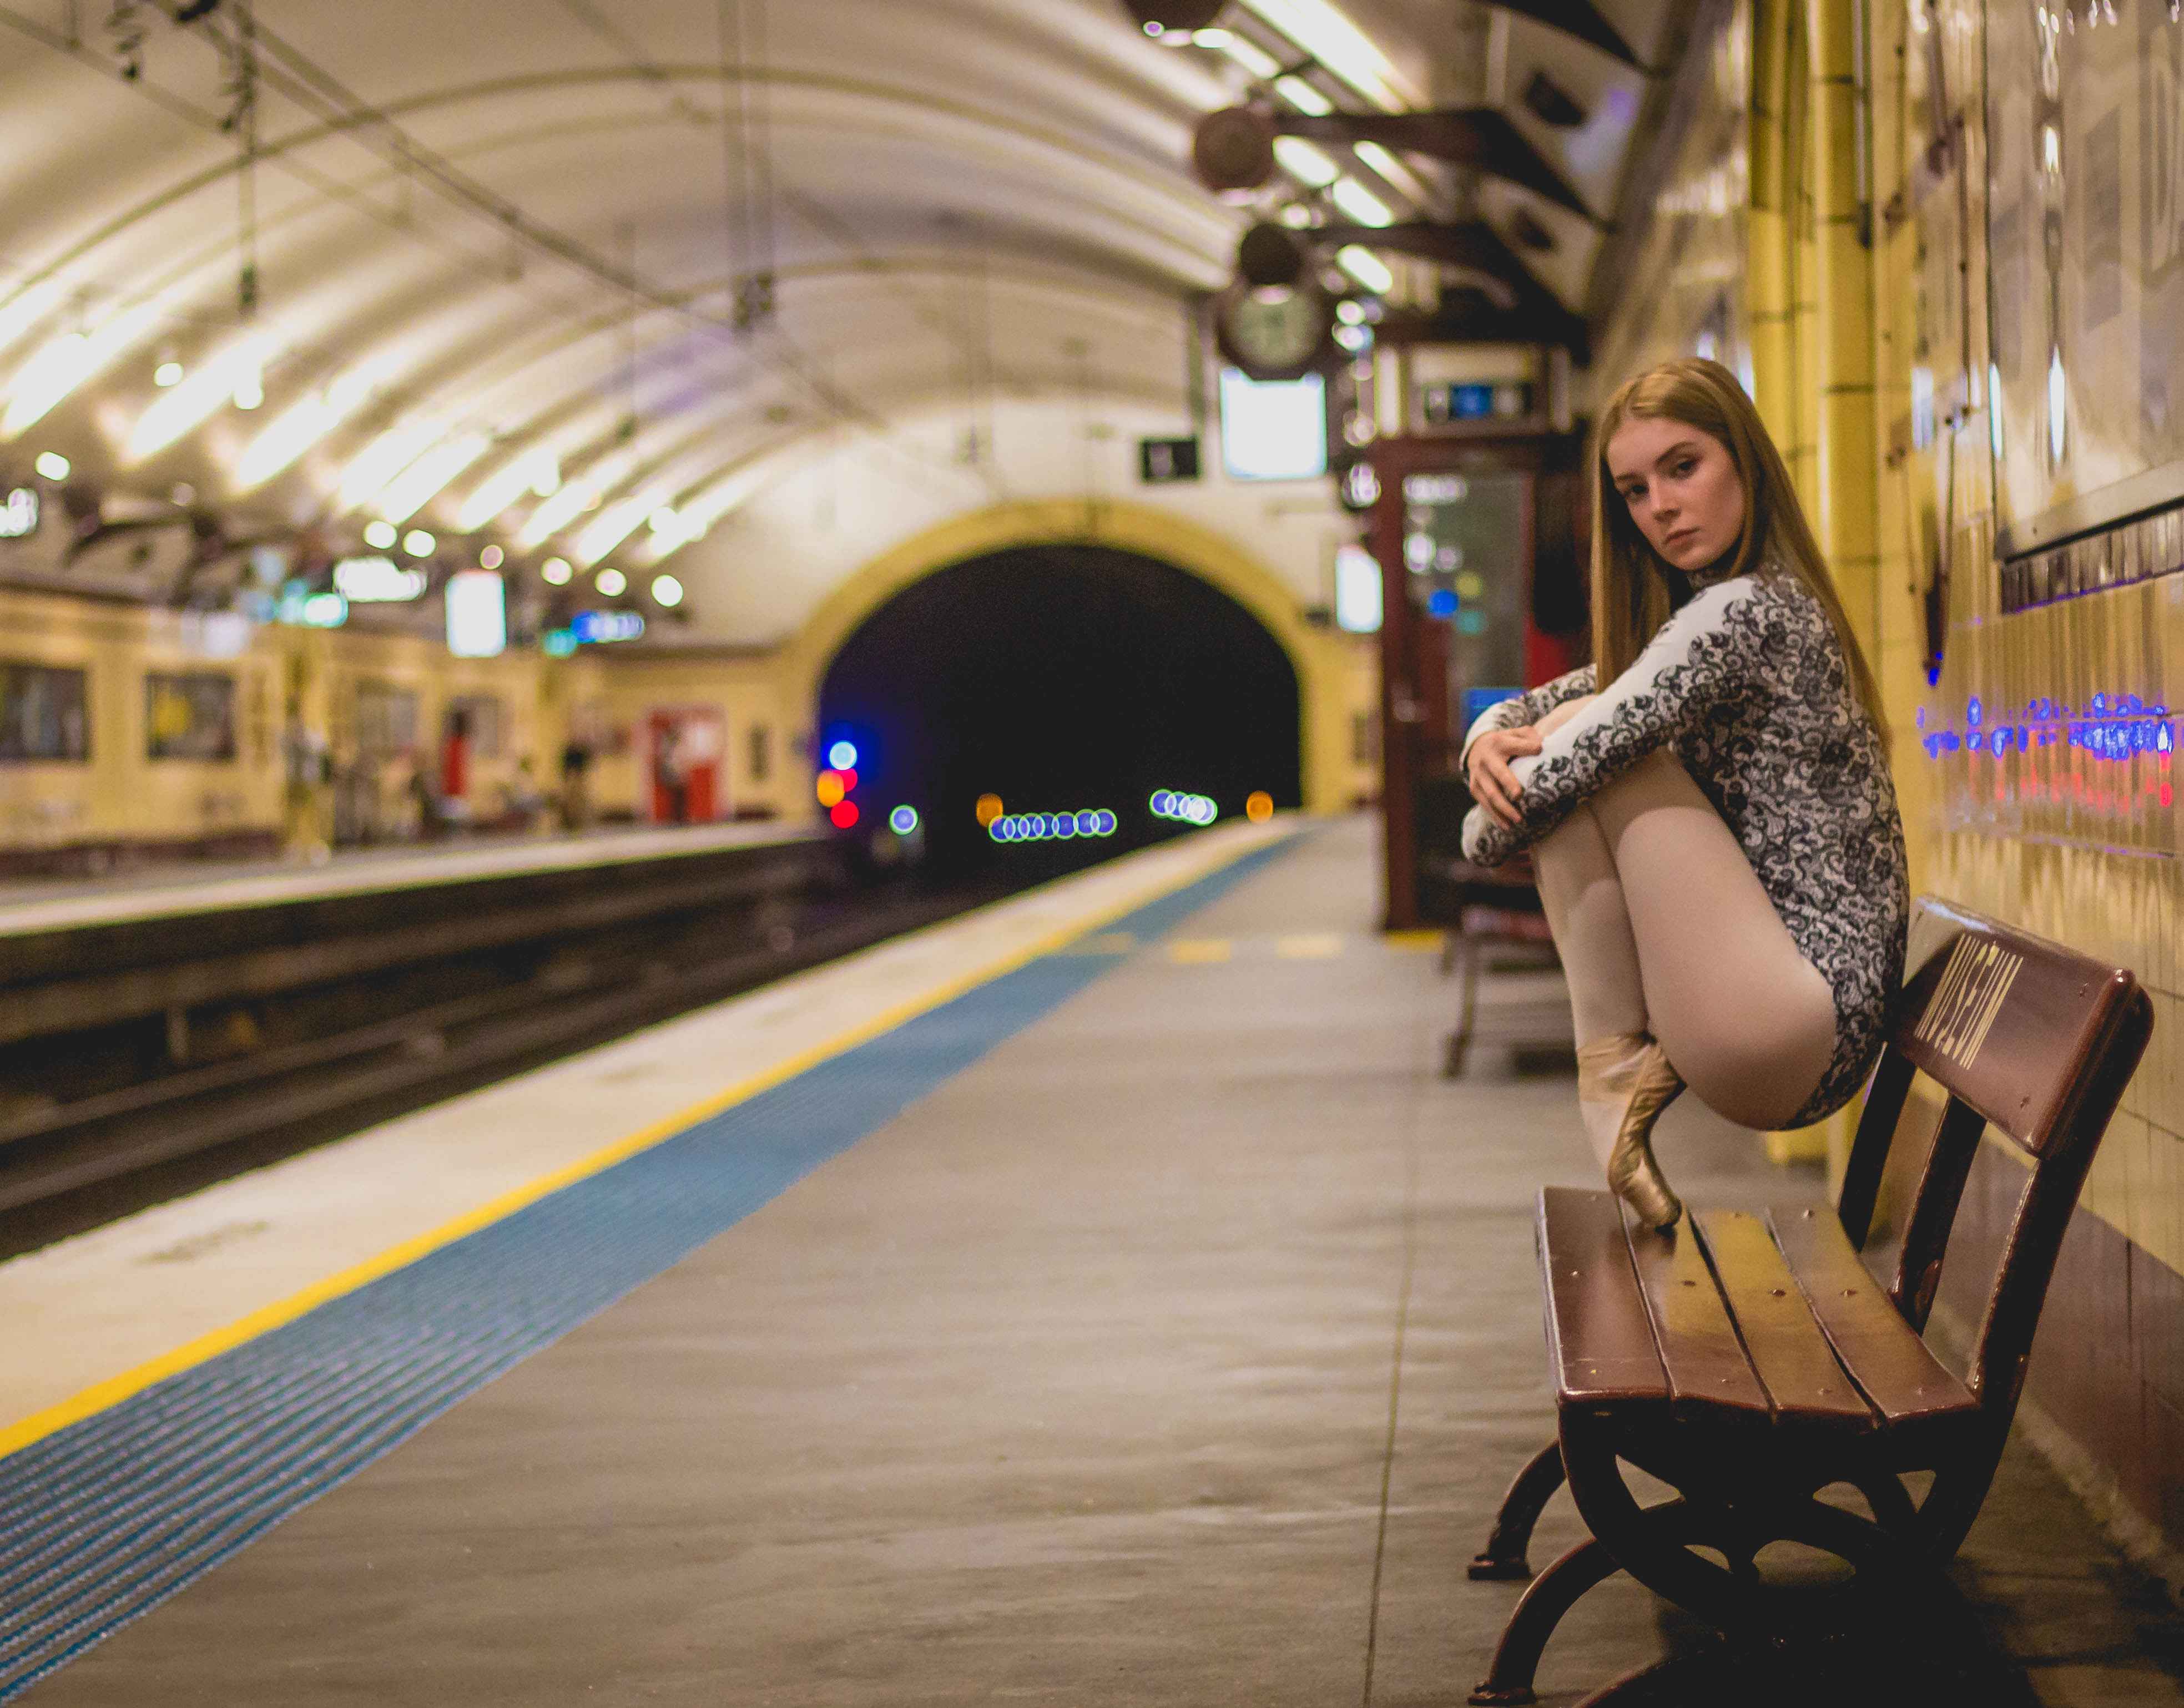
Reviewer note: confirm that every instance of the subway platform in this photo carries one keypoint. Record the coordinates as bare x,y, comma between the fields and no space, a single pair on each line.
1097,1299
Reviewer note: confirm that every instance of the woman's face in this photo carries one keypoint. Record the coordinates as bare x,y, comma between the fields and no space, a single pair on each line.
1682,488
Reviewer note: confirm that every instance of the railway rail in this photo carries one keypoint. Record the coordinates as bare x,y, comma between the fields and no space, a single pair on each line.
142,1057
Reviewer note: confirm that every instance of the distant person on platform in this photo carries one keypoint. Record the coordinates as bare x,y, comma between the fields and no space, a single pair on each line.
576,784
1708,802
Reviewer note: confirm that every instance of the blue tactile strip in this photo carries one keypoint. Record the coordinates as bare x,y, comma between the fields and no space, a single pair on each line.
104,1520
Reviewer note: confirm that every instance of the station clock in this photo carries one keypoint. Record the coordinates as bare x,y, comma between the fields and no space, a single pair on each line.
1278,333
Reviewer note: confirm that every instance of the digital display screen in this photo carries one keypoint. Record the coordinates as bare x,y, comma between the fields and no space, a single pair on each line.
1274,429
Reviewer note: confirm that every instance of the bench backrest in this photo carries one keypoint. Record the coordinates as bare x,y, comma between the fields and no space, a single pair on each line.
2025,1035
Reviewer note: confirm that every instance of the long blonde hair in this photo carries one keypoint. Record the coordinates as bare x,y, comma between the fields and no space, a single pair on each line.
1630,583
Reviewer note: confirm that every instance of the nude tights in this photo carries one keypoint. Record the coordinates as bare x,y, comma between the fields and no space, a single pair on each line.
1662,927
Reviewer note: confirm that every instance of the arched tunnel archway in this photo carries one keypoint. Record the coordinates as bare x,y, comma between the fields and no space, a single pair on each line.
1060,678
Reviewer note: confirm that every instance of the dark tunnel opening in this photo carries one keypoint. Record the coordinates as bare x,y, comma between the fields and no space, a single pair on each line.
1062,679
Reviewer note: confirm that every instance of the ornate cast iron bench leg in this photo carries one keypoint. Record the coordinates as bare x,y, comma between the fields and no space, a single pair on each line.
1503,1560
1553,1592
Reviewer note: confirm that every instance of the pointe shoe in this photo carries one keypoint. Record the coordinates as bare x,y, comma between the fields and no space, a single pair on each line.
1631,1069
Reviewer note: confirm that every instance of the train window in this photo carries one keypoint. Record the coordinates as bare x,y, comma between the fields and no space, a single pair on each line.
386,719
44,714
189,716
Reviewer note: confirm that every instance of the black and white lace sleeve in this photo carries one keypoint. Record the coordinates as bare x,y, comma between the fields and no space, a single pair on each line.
1520,710
1704,656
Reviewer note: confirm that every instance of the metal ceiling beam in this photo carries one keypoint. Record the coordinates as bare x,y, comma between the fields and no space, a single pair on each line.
1578,19
1522,310
1233,149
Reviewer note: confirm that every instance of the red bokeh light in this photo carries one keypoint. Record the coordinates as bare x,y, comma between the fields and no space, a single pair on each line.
845,814
848,780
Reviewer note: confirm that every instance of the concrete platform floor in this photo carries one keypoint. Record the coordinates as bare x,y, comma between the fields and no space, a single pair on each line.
1175,1354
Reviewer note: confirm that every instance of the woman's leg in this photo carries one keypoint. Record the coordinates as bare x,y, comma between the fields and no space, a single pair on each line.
1746,1018
1582,895
1664,929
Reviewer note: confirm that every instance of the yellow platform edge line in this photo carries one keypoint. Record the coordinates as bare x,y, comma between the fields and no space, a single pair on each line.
102,1395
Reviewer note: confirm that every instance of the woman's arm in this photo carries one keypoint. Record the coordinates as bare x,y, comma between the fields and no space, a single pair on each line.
1520,711
1701,657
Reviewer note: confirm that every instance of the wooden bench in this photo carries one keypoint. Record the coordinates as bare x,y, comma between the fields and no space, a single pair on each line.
1754,1362
1486,906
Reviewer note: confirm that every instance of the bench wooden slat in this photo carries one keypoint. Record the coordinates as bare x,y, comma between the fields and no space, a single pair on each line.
1788,1352
1598,1333
1890,1363
1699,1349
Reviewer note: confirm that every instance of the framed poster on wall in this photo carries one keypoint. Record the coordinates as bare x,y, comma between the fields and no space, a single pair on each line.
2085,124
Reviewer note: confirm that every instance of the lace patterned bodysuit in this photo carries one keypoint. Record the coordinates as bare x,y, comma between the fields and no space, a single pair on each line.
1748,684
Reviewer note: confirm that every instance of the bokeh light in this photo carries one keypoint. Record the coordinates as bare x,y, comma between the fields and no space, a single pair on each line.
843,813
1037,828
903,820
1259,806
830,789
1190,809
842,755
989,808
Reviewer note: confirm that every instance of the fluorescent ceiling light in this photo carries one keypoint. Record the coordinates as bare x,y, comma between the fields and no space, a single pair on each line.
383,459
199,395
1393,170
1367,267
296,429
1323,32
1303,96
64,364
575,497
535,471
1360,203
423,480
1242,49
30,306
1305,163
694,518
616,524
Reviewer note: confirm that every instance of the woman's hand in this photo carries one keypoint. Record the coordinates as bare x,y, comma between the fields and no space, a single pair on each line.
1494,785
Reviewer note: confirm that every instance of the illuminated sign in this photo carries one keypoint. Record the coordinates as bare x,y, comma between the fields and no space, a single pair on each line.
301,608
1038,828
1190,809
595,628
1357,590
1274,429
378,581
478,614
18,516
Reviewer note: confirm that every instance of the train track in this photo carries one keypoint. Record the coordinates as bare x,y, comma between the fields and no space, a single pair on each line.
136,1067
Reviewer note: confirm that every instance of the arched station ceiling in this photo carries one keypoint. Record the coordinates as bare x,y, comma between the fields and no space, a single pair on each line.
497,244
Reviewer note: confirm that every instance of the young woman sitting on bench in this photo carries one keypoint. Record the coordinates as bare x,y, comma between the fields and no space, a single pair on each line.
1708,802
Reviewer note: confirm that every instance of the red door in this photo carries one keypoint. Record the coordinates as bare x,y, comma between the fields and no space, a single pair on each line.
687,746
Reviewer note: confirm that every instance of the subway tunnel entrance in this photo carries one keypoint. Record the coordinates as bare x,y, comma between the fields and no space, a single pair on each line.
1060,678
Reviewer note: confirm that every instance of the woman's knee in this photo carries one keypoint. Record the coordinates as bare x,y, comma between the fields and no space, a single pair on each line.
1751,1072
1563,713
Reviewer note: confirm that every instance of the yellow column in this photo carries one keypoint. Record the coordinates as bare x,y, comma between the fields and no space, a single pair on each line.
1821,239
